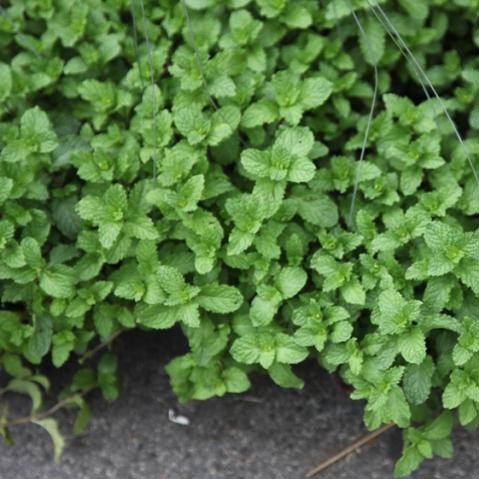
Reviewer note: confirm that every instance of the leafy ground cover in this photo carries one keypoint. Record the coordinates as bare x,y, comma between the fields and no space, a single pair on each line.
273,176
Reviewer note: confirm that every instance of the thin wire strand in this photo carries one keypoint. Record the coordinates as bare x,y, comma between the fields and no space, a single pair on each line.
196,54
376,87
136,43
405,55
370,119
392,31
199,66
149,49
415,71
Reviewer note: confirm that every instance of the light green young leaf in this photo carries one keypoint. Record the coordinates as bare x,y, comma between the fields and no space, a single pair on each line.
22,386
36,127
219,298
412,346
288,350
39,342
51,426
63,343
373,42
236,380
283,376
290,281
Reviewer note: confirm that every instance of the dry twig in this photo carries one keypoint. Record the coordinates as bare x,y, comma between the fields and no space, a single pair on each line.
348,450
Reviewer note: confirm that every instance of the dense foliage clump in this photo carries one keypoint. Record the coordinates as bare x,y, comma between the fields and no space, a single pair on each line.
194,163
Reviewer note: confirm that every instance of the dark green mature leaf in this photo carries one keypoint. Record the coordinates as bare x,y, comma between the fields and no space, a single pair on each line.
40,341
219,298
204,173
417,381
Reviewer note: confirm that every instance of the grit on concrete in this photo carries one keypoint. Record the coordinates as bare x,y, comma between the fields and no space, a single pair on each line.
267,434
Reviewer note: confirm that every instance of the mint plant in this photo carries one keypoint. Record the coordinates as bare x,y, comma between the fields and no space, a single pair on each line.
194,164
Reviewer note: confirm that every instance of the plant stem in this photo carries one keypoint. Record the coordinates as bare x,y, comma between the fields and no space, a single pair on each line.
348,450
100,346
44,414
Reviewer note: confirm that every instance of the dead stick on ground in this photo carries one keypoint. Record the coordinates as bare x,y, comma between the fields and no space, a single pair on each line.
345,452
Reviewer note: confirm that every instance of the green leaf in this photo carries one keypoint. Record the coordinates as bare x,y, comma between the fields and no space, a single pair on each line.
417,381
296,141
243,26
395,314
6,186
51,426
101,95
353,292
63,343
255,162
65,217
58,282
290,281
29,388
259,113
296,16
82,419
440,428
236,380
453,394
220,298
301,171
271,8
289,351
36,127
246,349
31,251
398,407
190,193
14,366
170,279
192,124
108,233
254,348
5,81
40,341
412,346
415,9
318,211
283,376
341,332
467,412
372,41
107,376
314,92
410,460
264,306
469,274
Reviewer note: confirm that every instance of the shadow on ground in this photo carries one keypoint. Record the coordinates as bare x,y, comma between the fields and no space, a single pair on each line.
268,434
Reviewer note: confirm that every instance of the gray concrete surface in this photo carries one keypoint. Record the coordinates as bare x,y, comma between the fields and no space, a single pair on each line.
268,434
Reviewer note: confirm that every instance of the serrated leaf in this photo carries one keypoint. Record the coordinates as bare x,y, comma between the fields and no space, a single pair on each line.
291,281
372,42
40,341
283,376
220,298
417,381
412,346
